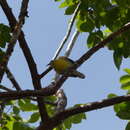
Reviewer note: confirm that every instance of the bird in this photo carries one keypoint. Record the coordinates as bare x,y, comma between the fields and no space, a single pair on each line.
62,64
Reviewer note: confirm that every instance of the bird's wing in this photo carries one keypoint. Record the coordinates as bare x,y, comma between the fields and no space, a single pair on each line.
69,60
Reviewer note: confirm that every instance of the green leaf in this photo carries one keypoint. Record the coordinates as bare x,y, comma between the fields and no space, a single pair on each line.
87,26
7,121
127,70
119,107
112,95
7,117
74,119
17,117
4,35
68,3
128,126
21,126
94,38
10,103
126,86
117,59
124,115
51,98
50,109
106,32
123,110
78,118
70,10
111,17
34,117
68,123
16,110
26,105
124,79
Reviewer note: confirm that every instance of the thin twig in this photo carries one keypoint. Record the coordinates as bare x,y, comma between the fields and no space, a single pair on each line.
45,72
12,79
68,32
5,88
71,43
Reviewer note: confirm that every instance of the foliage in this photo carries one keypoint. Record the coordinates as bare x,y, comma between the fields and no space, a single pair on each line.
122,110
98,21
95,19
12,117
4,38
4,35
67,124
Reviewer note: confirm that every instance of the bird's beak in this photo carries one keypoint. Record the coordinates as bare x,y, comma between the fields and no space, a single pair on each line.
49,63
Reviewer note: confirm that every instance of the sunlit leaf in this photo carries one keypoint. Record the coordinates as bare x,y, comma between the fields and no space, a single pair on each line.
34,117
124,79
127,70
26,105
123,110
112,95
125,86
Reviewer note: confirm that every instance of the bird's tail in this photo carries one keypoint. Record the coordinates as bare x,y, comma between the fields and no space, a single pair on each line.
78,74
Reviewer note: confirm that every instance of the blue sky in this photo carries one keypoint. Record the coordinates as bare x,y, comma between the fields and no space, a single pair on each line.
44,30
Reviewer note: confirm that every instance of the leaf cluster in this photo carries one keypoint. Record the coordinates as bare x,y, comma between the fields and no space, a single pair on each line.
122,110
99,20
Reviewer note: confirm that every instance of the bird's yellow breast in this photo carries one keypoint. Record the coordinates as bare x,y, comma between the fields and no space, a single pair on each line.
61,65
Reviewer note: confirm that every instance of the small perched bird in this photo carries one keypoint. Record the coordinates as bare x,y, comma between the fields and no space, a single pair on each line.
62,64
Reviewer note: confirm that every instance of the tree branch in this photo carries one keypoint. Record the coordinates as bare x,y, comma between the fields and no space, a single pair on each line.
61,101
64,40
15,35
86,56
4,88
12,79
57,119
71,43
92,106
101,44
68,32
27,53
52,88
45,72
13,95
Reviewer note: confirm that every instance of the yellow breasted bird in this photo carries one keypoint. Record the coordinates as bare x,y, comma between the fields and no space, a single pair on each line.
62,64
